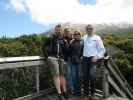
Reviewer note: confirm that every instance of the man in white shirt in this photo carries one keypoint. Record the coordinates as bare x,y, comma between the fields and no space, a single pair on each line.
92,51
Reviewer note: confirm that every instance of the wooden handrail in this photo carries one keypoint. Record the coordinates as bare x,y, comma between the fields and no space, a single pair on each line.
111,72
115,74
19,59
123,81
19,62
120,74
111,81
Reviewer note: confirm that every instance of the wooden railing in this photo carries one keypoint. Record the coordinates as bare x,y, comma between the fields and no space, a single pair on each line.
112,77
20,62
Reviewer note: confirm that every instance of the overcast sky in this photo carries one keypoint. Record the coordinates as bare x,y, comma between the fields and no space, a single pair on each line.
19,17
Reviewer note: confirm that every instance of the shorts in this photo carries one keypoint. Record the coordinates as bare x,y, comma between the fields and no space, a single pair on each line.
56,66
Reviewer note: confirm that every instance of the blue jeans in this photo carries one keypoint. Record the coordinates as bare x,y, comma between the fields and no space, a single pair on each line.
89,75
72,76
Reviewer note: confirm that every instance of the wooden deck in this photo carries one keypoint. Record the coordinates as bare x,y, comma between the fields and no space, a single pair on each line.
50,94
54,97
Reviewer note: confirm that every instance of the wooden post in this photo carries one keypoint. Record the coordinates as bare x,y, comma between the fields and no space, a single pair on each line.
37,80
105,82
2,94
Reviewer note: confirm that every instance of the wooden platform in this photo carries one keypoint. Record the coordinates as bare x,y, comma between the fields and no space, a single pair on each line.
55,97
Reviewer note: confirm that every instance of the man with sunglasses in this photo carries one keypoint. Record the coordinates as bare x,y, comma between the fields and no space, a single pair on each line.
92,51
53,52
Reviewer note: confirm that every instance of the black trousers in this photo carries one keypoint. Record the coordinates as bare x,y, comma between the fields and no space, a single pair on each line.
89,76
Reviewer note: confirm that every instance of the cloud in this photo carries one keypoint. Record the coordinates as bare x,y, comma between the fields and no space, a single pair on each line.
55,11
18,5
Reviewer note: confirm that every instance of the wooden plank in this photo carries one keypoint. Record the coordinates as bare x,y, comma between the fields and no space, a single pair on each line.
120,74
121,82
114,97
99,91
105,84
37,80
36,95
13,65
116,87
17,59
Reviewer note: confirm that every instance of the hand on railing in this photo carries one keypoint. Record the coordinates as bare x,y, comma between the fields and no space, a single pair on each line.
102,61
106,58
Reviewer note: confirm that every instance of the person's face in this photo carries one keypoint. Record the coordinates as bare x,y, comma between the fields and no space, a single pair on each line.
77,35
89,30
67,34
58,29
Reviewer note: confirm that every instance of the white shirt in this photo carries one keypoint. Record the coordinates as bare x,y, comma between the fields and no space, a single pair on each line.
93,46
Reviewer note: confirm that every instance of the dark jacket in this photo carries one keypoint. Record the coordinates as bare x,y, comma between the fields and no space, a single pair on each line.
66,51
52,46
76,51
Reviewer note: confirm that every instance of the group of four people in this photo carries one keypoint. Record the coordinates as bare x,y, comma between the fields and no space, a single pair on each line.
71,56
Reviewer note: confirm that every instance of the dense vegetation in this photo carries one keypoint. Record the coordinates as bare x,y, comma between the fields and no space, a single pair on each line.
19,82
122,51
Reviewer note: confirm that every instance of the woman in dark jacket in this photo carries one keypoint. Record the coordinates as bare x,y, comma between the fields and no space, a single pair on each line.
75,50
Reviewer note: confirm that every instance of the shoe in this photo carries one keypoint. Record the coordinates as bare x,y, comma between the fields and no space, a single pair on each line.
85,98
70,93
81,97
60,97
65,95
77,94
92,98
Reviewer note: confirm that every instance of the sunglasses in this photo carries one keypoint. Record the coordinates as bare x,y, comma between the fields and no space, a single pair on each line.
76,34
89,28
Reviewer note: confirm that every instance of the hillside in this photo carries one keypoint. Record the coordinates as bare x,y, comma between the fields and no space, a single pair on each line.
117,29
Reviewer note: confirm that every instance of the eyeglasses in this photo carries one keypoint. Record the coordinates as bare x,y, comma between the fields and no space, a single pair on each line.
67,31
89,28
76,34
